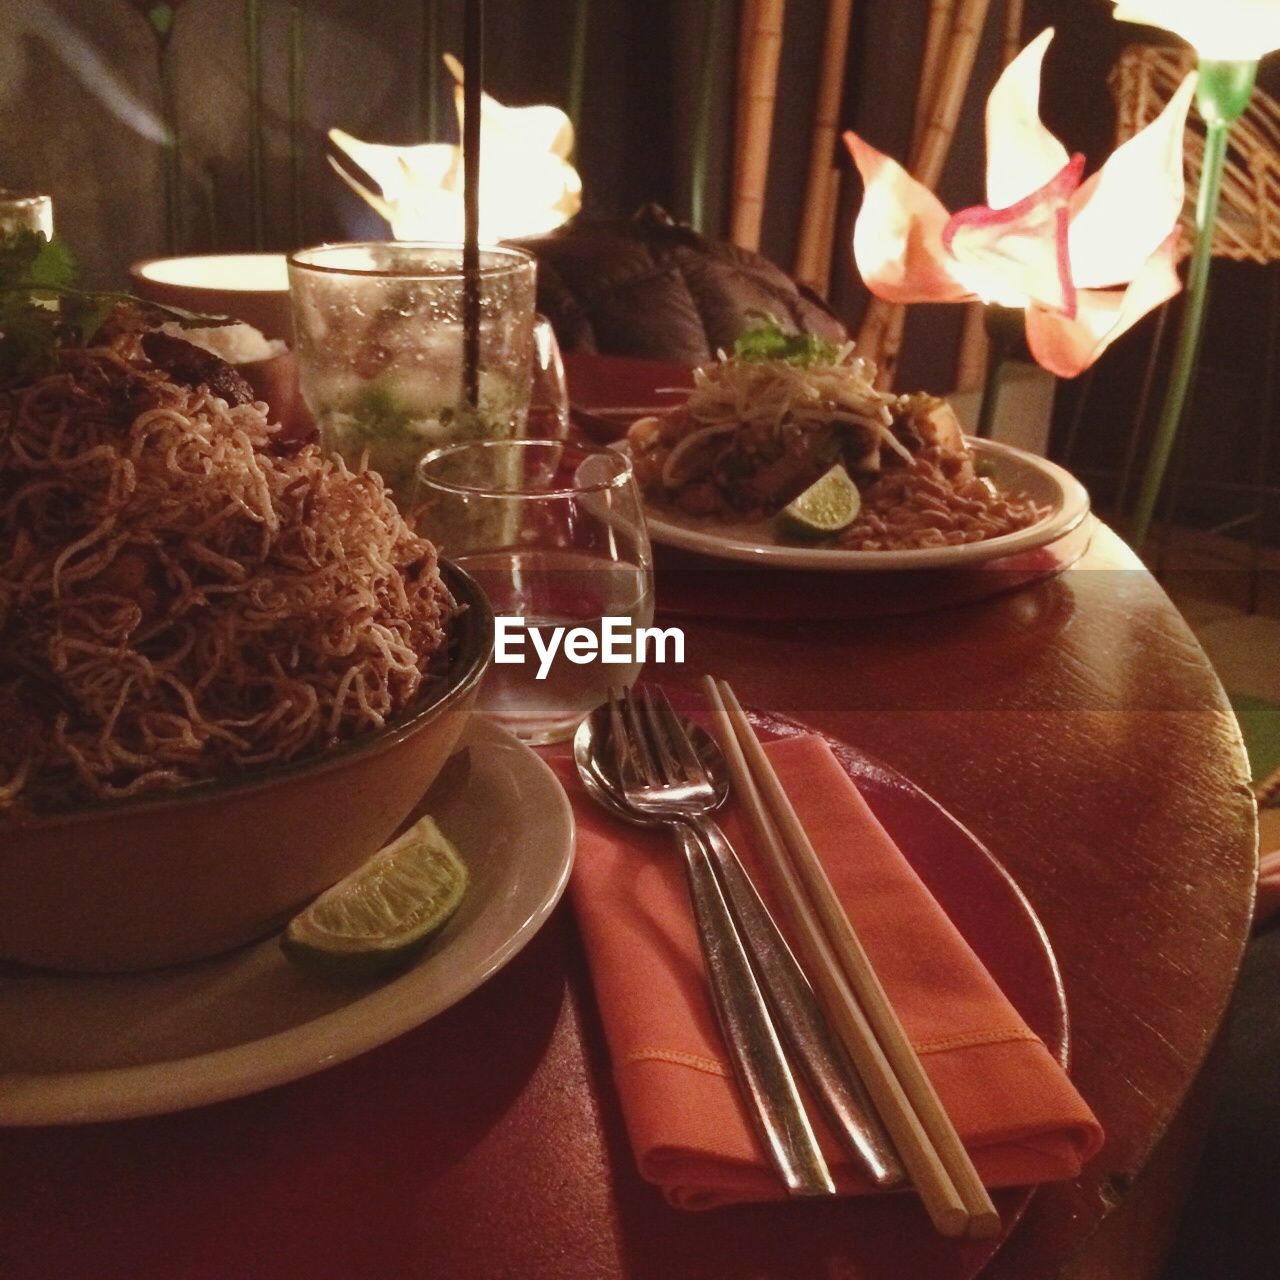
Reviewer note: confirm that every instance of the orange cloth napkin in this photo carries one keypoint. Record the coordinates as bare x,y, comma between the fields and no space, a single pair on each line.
1012,1104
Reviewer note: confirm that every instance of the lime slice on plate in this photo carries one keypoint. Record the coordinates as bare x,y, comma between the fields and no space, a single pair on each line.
383,912
824,508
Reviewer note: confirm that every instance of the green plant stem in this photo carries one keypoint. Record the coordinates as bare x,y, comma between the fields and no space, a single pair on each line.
1223,93
577,65
701,148
209,188
297,114
429,88
1004,327
990,393
172,153
253,61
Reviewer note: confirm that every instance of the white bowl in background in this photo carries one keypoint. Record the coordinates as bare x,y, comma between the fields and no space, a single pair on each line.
253,287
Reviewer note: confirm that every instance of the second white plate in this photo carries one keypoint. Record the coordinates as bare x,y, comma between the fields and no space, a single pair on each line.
1014,470
77,1049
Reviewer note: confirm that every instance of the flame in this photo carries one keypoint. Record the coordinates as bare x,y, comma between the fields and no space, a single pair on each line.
527,185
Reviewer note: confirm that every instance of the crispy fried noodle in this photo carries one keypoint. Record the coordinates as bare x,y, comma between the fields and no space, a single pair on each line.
182,595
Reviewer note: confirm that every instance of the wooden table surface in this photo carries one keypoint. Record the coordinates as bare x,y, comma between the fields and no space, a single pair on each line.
1079,726
1075,724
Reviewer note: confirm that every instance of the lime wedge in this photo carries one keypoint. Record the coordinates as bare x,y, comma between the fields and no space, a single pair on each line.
384,911
825,507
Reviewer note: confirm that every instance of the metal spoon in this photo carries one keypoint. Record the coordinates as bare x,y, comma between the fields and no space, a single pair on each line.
825,1061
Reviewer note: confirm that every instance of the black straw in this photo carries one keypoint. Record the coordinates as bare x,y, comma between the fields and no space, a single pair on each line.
472,84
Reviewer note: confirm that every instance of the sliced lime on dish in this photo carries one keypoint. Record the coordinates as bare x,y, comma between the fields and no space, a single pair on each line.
827,506
383,912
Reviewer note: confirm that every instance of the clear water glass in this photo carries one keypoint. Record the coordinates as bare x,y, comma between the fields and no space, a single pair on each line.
549,391
378,332
555,535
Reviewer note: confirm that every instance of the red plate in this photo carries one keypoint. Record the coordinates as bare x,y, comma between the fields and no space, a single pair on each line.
490,1143
884,1237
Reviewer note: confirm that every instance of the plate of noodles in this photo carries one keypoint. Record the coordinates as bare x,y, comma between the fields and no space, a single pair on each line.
764,424
230,670
229,666
76,1048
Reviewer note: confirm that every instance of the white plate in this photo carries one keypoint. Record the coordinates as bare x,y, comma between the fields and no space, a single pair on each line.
77,1049
1014,470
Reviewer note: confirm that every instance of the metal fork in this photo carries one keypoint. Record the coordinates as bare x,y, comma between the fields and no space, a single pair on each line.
808,1037
754,1049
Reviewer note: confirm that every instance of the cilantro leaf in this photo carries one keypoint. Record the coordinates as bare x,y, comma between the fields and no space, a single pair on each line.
28,338
29,260
53,267
42,310
765,339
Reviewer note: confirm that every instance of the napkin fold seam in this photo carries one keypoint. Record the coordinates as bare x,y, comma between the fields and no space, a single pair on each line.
708,1066
971,1039
713,1067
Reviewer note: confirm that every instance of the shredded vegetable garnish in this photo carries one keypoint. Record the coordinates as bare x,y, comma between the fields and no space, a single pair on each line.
800,379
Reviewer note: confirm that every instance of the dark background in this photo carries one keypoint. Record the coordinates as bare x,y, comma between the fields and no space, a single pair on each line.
79,102
80,89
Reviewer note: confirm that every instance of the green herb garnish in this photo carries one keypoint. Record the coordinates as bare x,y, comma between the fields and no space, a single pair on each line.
766,339
41,309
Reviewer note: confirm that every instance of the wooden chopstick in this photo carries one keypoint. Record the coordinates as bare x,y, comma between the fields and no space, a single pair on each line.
937,1191
841,972
865,983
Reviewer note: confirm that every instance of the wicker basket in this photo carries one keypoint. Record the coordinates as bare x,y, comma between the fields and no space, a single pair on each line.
1248,225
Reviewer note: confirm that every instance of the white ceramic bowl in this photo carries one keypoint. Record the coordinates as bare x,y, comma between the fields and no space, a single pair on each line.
253,287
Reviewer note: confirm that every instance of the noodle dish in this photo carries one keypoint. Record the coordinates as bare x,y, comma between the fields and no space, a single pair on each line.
762,427
184,594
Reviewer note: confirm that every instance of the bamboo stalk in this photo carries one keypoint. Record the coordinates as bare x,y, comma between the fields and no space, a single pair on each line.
209,191
853,996
160,19
297,113
1012,43
882,325
826,253
577,64
173,208
429,81
937,30
253,62
971,360
971,356
936,140
746,25
701,150
817,198
751,179
871,330
883,322
886,322
890,347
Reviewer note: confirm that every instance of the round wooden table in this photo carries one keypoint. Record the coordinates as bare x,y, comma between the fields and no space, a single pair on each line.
1074,723
1078,724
